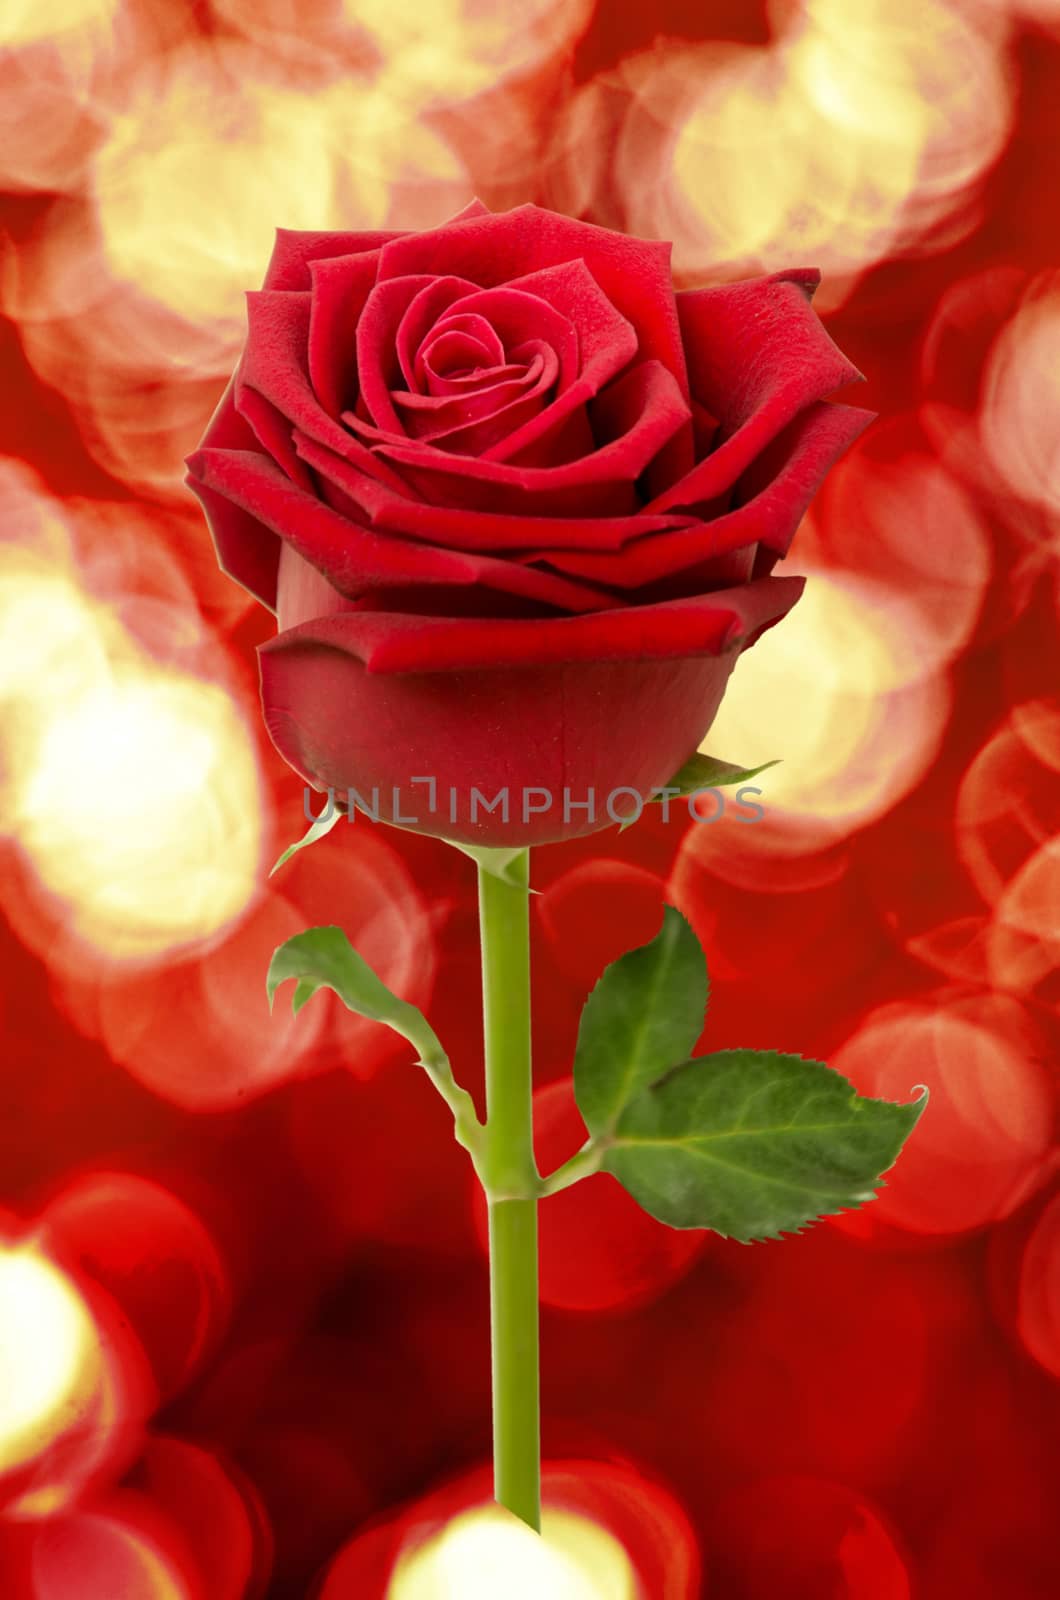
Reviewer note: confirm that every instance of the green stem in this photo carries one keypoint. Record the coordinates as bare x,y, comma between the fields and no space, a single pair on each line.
583,1164
512,1186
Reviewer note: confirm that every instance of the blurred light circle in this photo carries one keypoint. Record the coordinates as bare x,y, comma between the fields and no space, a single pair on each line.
901,74
607,1531
59,68
311,1490
360,875
26,23
1038,1301
51,1357
215,1511
985,378
803,1538
135,290
453,52
487,1551
200,1034
318,32
1006,811
953,358
825,1357
958,949
154,1257
457,48
854,135
205,165
195,178
867,525
110,810
499,133
132,790
1020,394
580,159
837,691
1038,724
87,1554
103,346
50,639
76,1387
805,919
988,1125
596,911
1024,934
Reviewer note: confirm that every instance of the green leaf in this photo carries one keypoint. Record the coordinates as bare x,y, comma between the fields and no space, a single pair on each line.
707,772
323,958
644,1015
317,830
703,772
495,860
753,1144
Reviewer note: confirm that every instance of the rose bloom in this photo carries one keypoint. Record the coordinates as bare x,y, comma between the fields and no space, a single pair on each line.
516,504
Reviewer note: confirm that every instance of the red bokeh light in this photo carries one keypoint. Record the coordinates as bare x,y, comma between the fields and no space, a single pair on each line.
243,1300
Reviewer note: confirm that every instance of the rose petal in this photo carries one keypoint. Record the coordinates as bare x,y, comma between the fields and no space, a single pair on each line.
607,341
759,343
420,316
573,708
758,355
226,428
475,530
427,413
475,434
395,642
716,572
808,447
340,287
380,337
354,558
515,316
296,248
303,594
453,386
274,365
569,734
246,551
246,554
455,351
600,484
465,343
272,431
634,274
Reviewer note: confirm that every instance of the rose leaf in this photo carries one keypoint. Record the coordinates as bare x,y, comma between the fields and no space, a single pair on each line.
644,1014
316,830
754,1144
323,958
701,772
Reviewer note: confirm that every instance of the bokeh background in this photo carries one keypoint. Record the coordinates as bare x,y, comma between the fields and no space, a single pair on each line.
243,1294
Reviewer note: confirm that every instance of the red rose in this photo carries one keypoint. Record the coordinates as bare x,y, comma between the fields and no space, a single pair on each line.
516,505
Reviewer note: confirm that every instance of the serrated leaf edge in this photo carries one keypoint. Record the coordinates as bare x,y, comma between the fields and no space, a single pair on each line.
855,1101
